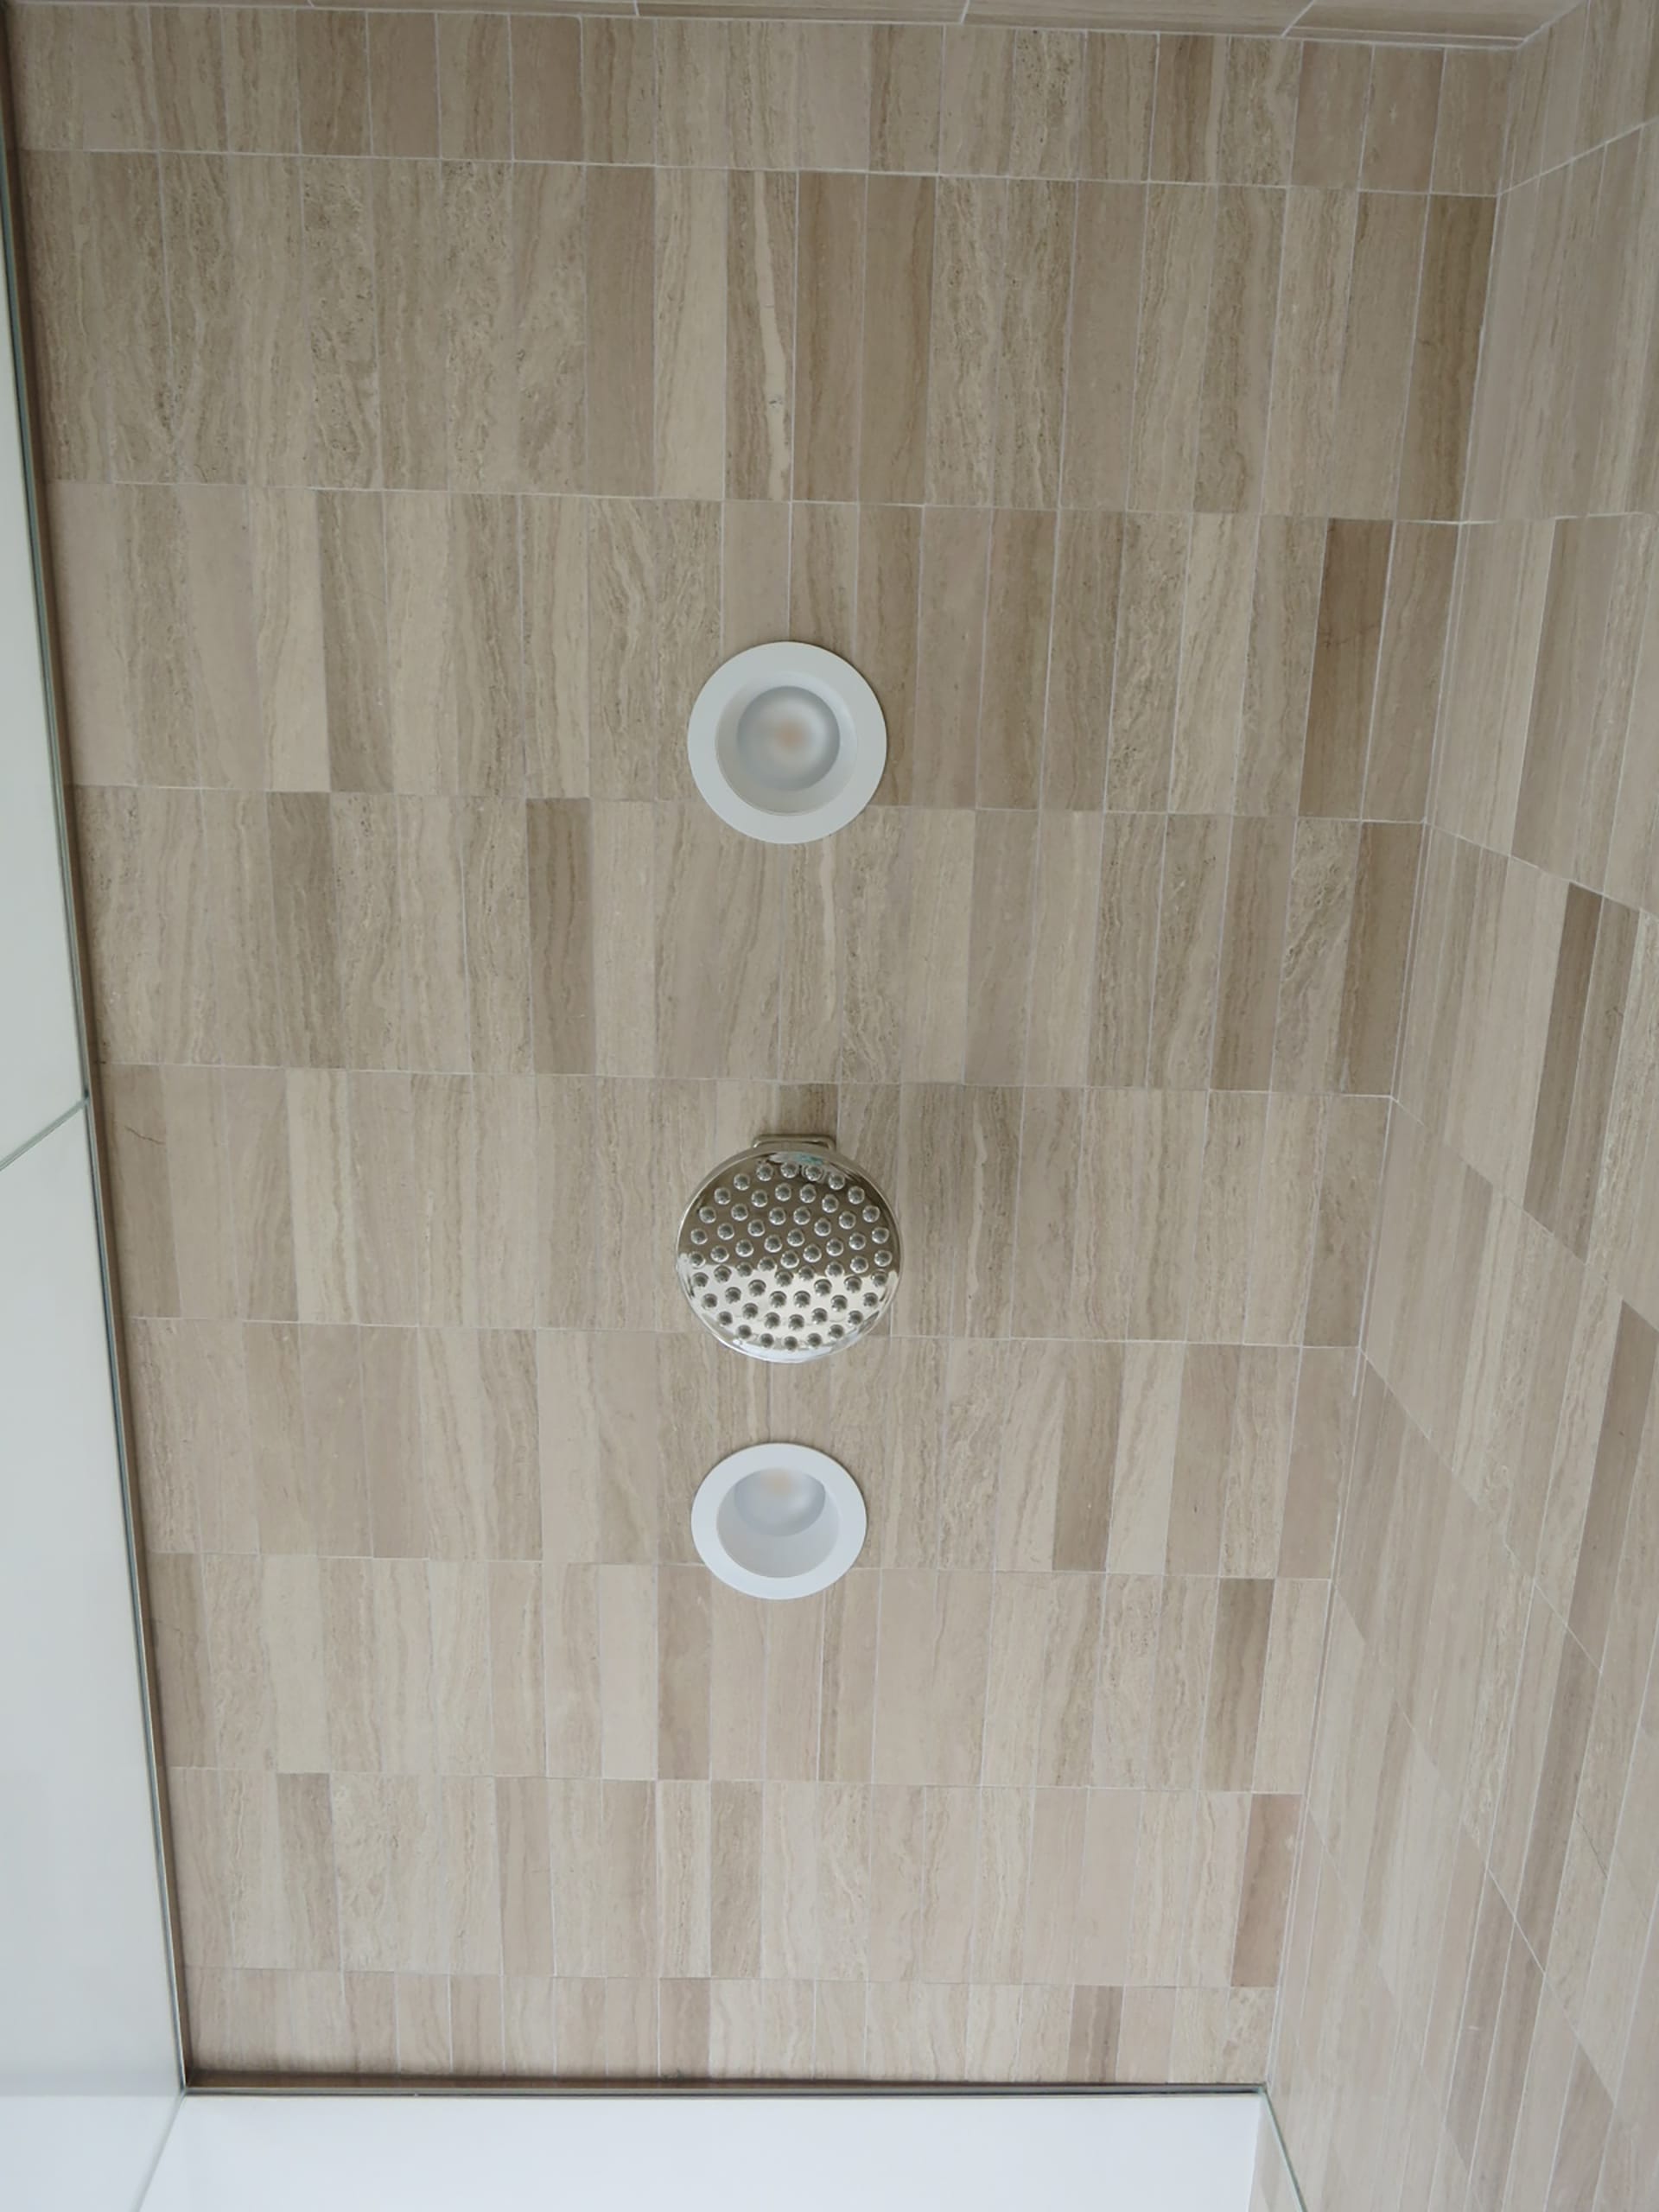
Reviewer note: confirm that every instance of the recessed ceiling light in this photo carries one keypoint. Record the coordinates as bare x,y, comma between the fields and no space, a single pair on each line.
778,1520
787,742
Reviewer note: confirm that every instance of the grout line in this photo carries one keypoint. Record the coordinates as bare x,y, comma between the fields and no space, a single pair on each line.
935,171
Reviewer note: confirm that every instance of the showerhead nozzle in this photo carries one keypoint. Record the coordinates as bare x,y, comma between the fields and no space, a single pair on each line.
788,1251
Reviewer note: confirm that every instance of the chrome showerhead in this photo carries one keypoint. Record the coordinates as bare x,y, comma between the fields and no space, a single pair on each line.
788,1251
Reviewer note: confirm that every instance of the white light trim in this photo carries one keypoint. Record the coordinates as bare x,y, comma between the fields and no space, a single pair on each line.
794,1559
734,785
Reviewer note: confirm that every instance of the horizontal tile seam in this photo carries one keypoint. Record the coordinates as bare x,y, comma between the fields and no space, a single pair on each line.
653,1567
901,1083
1467,41
534,498
736,168
245,1321
906,807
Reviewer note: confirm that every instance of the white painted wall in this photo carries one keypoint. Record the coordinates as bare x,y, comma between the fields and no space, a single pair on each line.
1120,2154
88,2067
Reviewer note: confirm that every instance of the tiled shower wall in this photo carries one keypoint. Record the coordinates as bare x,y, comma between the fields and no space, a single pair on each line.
1471,2008
428,404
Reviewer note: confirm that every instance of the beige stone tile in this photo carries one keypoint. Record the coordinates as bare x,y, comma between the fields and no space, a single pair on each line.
1316,939
834,115
1344,675
983,1235
940,861
1120,80
1048,96
1174,287
60,208
1316,266
621,230
550,306
759,336
1282,1263
976,100
1598,590
546,89
762,94
953,584
1215,640
793,1684
1410,662
1186,118
1475,88
1151,593
1259,104
1005,859
887,585
403,85
1252,928
1189,921
135,1132
1107,1221
1456,252
131,282
474,88
815,1854
1233,430
1377,358
693,124
1040,225
1492,657
935,1631
333,70
187,62
1374,984
1289,558
1331,111
969,241
1082,651
831,231
337,213
1401,120
1068,873
1591,979
871,896
618,90
245,1717
204,401
898,291
553,914
46,89
1130,1625
1101,371
906,64
1220,1843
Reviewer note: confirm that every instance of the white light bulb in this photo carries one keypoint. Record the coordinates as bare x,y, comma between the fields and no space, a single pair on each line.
779,1501
787,738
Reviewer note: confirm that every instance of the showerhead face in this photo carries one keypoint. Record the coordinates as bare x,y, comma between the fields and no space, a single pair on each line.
788,1251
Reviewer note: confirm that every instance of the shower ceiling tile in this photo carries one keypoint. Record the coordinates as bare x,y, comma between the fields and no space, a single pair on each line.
1031,371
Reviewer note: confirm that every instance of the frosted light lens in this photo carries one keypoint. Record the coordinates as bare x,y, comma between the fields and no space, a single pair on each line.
779,1501
787,739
